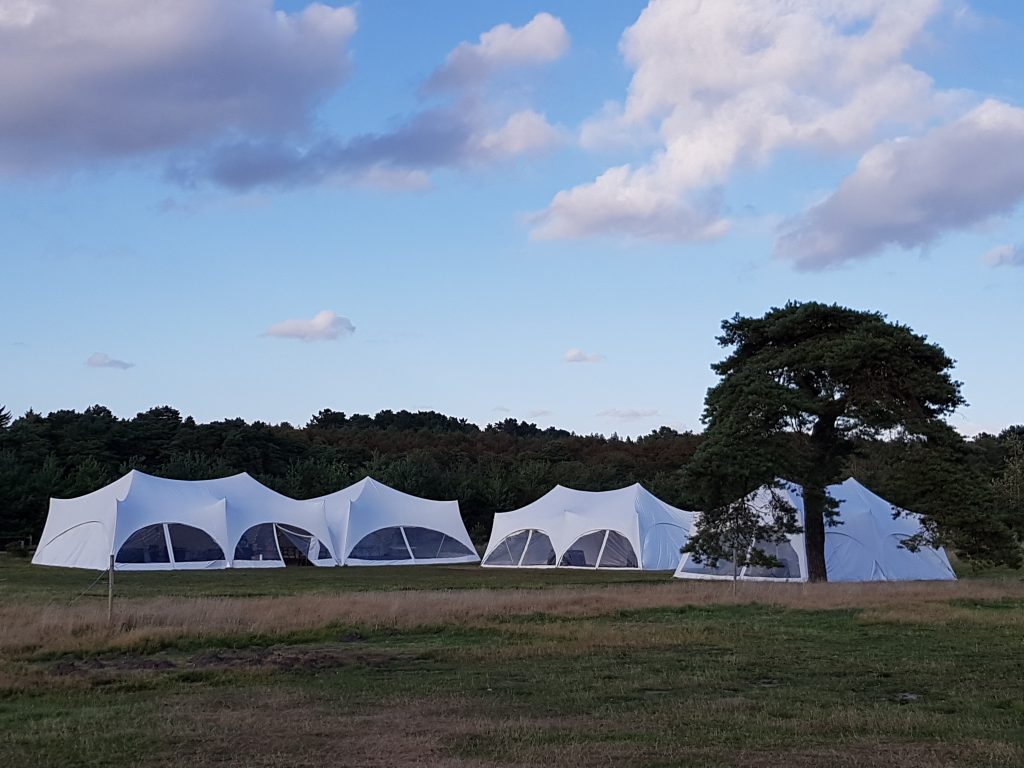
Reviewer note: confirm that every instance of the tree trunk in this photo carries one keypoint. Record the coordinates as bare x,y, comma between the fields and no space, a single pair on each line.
814,533
822,445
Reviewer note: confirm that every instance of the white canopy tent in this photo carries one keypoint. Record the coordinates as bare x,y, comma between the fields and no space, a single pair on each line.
373,524
625,528
152,523
866,546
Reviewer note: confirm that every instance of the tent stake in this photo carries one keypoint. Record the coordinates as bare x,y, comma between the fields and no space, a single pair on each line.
110,591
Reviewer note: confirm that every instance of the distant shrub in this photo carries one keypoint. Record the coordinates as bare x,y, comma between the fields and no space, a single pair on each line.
17,548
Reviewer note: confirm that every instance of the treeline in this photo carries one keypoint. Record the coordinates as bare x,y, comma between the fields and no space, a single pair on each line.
491,469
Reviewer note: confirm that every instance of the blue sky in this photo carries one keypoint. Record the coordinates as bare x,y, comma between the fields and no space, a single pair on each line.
541,210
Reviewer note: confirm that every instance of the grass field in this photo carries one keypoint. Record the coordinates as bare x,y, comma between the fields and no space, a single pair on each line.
463,666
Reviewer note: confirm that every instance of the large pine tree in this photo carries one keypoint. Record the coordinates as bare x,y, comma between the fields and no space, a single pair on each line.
801,384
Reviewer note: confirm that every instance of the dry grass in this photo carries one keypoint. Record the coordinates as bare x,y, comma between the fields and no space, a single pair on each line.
83,628
285,728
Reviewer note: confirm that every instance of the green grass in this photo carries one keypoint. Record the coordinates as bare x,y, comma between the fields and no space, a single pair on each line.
20,580
715,684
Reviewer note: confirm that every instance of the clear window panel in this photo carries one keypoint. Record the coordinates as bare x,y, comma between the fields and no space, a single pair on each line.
509,550
428,544
382,544
584,551
618,552
722,568
539,551
191,545
785,554
258,543
146,545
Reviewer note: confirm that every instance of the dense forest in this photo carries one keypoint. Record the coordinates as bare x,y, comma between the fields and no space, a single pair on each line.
973,490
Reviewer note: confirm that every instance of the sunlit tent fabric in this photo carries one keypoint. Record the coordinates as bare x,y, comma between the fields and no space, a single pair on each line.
624,528
373,524
152,523
866,546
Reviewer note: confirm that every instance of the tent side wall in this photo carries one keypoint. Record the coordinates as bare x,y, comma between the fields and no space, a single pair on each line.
75,537
79,532
760,500
416,530
864,547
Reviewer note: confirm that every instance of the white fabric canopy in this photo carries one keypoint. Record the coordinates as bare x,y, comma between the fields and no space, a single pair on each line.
373,524
624,528
152,523
866,546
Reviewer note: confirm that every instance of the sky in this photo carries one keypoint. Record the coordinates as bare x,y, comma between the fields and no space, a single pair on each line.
537,210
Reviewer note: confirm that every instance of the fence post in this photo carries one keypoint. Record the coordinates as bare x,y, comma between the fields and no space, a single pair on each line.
110,591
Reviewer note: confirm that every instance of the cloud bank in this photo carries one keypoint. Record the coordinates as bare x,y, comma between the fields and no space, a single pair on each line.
325,326
83,81
732,83
467,128
908,192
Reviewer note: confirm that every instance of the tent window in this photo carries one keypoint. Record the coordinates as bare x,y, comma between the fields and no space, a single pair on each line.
509,550
382,544
585,550
722,568
146,545
258,543
618,552
539,551
191,545
428,544
784,553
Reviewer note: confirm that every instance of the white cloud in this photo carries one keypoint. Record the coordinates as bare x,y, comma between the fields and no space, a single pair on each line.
103,360
733,82
501,409
1006,256
87,80
629,414
541,40
575,355
525,132
908,192
538,413
325,326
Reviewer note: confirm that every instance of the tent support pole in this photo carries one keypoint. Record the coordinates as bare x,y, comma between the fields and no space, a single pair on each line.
110,591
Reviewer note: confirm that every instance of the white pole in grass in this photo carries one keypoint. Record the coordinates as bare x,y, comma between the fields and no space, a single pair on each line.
110,591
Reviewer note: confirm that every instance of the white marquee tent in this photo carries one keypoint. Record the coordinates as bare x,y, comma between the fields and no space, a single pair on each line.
372,524
867,546
152,523
625,528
